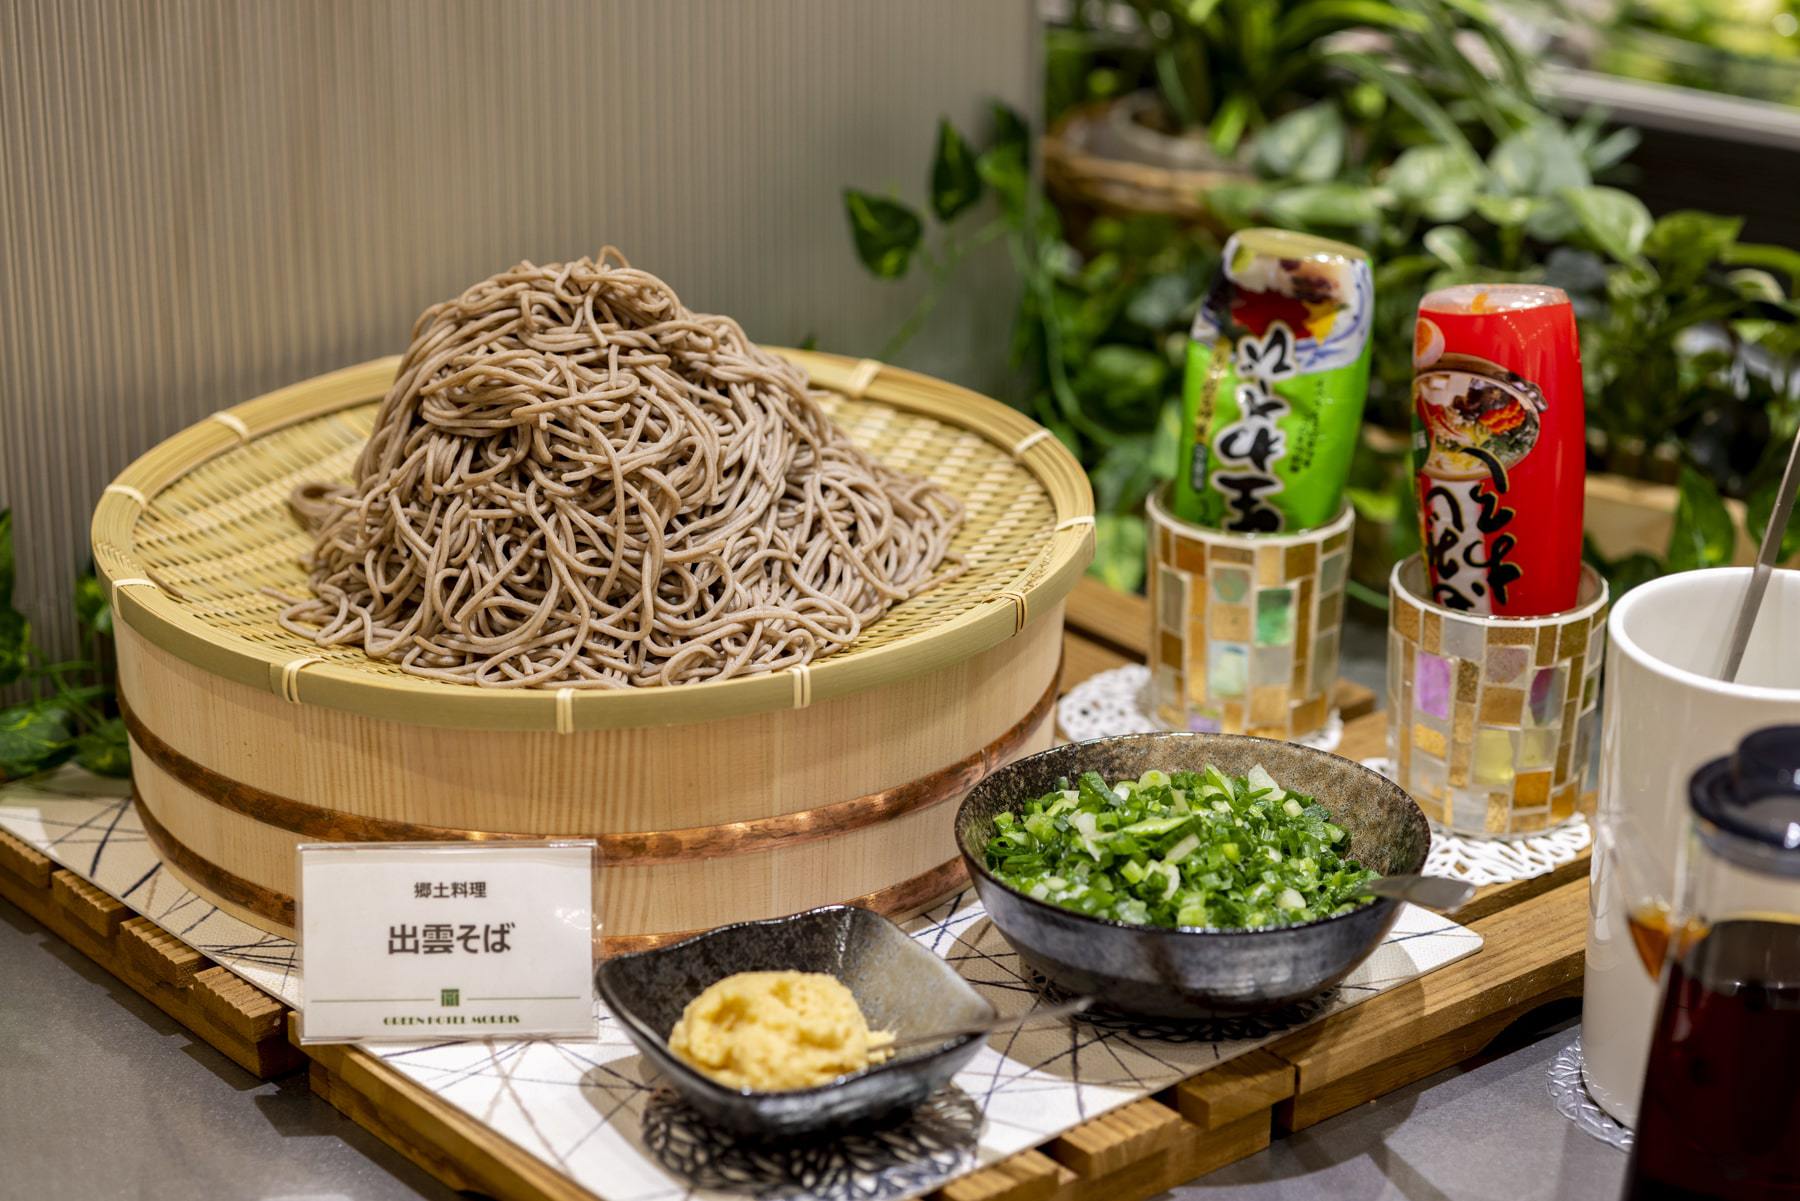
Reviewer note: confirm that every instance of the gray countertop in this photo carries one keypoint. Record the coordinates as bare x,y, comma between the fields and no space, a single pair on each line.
103,1096
1483,1131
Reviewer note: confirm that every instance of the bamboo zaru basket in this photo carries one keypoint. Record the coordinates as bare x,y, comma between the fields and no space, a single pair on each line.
714,802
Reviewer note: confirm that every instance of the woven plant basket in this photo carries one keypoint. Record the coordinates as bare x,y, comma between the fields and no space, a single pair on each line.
714,802
1081,167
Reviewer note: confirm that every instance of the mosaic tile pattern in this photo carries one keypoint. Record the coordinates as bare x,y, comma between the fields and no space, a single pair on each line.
1247,626
1490,719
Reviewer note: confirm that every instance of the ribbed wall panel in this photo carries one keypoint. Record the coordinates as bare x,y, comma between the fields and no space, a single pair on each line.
201,200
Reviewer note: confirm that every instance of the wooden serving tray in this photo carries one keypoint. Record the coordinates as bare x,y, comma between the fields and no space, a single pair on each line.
1534,935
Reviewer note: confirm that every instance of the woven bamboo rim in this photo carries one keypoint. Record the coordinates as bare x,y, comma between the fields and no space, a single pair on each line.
640,848
1017,587
906,896
1122,185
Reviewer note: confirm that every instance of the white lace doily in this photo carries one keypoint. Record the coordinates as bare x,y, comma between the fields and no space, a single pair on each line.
1499,860
1113,703
1573,1101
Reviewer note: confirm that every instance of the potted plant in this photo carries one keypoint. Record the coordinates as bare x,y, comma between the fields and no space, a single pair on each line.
1217,73
1689,335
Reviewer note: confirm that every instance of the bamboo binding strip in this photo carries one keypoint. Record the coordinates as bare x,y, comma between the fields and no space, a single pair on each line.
711,802
215,535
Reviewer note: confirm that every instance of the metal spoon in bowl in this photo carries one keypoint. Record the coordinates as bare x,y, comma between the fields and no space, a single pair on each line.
1441,893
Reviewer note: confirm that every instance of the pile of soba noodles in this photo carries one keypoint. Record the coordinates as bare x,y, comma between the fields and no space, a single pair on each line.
577,482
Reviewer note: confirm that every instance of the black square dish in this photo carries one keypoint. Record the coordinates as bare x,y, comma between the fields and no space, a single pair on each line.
901,986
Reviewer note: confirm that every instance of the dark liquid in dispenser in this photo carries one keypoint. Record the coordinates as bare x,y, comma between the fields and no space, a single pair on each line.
1650,934
1720,1118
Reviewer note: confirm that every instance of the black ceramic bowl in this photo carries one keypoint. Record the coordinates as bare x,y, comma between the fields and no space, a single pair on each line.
1189,972
901,986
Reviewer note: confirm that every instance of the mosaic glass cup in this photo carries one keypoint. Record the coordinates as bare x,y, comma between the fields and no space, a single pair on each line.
1490,718
1245,628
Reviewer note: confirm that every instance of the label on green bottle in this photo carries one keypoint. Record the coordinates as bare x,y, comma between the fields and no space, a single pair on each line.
1277,373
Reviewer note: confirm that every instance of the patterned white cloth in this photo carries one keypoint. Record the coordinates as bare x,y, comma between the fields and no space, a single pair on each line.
1112,703
1570,1096
591,1109
1499,860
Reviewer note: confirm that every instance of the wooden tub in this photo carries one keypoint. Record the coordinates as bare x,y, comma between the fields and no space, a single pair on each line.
711,803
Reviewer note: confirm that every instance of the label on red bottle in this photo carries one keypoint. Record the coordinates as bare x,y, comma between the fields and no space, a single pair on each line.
1499,447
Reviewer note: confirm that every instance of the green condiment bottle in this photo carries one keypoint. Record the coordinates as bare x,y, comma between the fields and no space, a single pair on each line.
1277,373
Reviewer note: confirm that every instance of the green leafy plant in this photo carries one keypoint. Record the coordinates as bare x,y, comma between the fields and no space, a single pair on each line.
1447,173
890,235
1099,331
1232,67
1442,212
1720,45
1668,307
71,713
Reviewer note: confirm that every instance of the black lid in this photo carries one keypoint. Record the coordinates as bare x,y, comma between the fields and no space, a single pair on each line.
1754,795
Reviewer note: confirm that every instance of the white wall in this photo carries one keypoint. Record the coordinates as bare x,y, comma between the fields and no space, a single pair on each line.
201,200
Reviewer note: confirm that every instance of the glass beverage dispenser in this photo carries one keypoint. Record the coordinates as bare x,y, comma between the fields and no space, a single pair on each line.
1720,1116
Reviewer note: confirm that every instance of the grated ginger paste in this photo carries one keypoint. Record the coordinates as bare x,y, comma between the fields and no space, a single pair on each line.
777,1031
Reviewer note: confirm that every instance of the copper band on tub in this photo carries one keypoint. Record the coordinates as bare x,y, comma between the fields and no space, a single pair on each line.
643,848
908,896
278,907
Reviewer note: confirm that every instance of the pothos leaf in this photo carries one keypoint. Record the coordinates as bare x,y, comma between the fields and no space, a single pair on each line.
1005,169
1539,160
93,609
1615,221
1759,506
15,630
1684,244
15,645
1119,543
1329,204
1307,144
1506,210
885,231
955,183
1452,246
1703,535
104,749
1436,180
1634,569
34,737
1009,129
1775,258
6,559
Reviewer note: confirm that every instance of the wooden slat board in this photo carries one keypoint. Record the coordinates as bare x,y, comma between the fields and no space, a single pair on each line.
1534,934
218,1007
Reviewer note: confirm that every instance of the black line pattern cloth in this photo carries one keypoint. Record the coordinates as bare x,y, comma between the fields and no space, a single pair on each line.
589,1110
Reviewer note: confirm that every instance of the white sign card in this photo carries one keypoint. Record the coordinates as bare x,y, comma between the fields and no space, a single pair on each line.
443,940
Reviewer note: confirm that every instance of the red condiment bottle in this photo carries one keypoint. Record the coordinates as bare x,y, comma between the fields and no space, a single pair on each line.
1499,447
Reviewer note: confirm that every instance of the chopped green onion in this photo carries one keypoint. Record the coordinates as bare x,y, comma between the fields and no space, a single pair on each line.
1182,848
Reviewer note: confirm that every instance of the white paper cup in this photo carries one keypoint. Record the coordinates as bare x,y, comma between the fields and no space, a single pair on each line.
1665,713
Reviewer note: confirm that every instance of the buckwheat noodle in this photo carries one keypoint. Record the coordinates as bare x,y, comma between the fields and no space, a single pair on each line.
577,482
